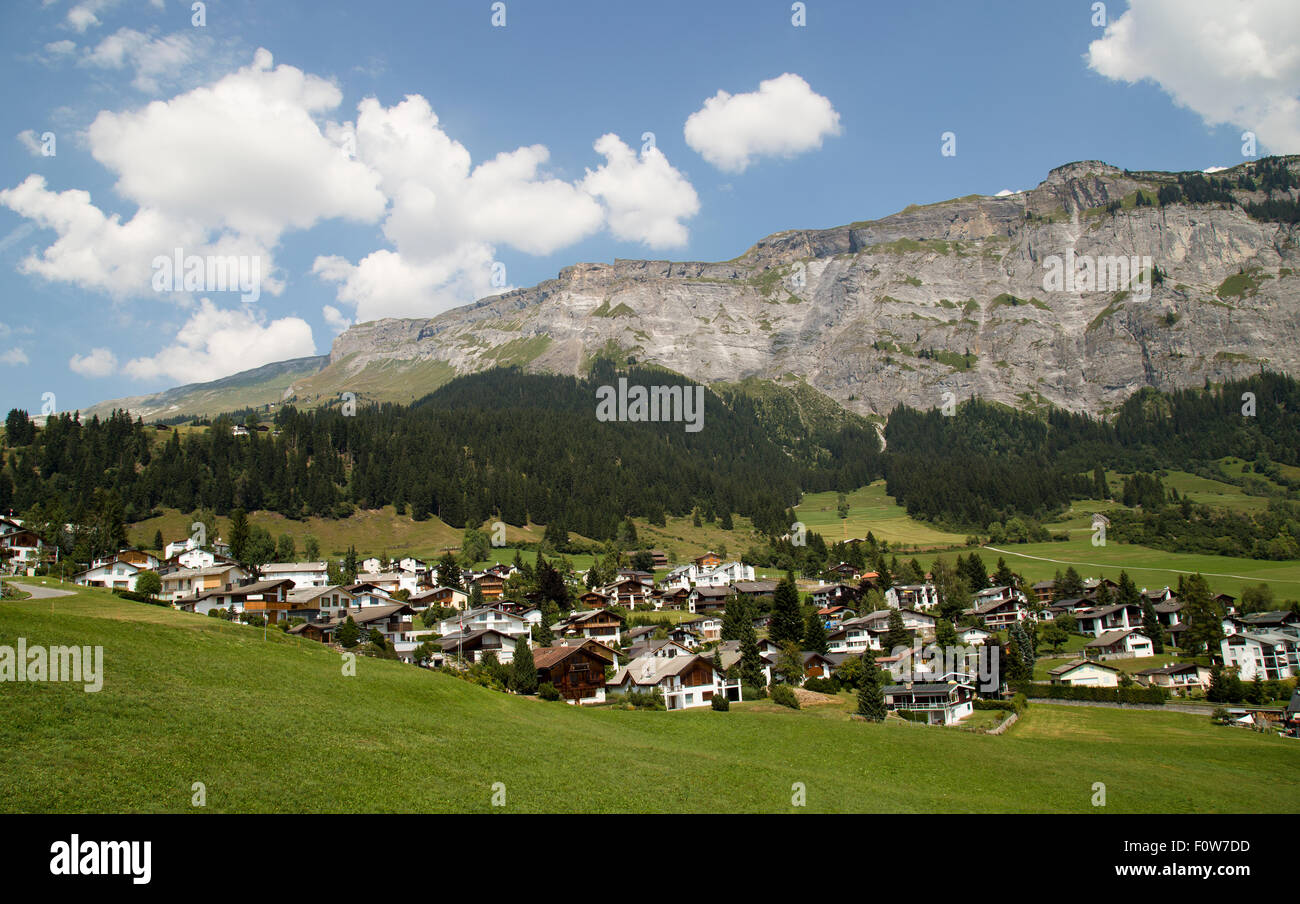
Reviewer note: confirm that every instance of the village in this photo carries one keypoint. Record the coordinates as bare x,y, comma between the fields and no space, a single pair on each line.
663,639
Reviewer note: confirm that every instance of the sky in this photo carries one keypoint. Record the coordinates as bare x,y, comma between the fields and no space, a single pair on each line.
354,161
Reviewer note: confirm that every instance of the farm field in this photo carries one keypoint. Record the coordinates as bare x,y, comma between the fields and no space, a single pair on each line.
273,725
870,509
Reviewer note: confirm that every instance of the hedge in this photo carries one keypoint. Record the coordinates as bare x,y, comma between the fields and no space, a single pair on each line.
1133,694
141,598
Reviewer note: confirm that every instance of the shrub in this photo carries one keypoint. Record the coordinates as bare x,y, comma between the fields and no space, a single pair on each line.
547,691
783,694
1134,694
1220,716
822,685
1020,703
1003,705
720,703
750,692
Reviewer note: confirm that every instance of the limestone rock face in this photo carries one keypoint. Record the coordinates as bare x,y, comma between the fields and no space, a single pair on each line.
953,297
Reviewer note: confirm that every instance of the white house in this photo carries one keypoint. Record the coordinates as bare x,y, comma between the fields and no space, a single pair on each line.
1271,655
303,574
1085,673
912,596
1125,644
685,681
940,703
113,574
486,619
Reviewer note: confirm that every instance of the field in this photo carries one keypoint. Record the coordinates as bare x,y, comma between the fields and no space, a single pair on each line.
871,510
274,725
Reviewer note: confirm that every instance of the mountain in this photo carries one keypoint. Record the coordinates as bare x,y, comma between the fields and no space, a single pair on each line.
265,385
950,297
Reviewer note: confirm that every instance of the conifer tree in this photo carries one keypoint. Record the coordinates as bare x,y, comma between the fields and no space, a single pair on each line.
871,694
787,616
523,678
814,635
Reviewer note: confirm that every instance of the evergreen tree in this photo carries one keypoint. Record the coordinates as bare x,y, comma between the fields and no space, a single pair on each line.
311,548
523,677
1016,668
239,533
898,635
726,523
814,634
350,568
348,634
787,615
285,548
1203,614
158,543
871,694
1004,576
1071,585
751,660
449,572
542,634
738,614
945,635
977,576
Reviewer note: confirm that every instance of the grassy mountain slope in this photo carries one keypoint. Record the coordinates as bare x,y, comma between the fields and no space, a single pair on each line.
274,725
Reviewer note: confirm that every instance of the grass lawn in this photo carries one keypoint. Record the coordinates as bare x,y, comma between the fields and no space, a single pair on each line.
1151,568
870,510
274,725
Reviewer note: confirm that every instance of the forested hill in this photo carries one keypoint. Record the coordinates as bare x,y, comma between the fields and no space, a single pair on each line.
519,447
496,444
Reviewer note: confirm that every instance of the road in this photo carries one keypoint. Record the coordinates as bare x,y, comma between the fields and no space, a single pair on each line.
42,593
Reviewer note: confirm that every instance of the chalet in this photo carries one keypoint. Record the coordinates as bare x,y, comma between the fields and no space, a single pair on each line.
709,627
194,559
828,595
412,565
640,634
759,590
917,622
852,637
594,599
1085,673
631,574
303,574
491,584
1069,606
486,618
1260,622
1098,620
684,681
372,565
391,581
366,594
973,636
1169,612
628,593
832,616
996,611
708,599
577,672
1046,592
597,624
1271,655
1158,596
1178,678
940,703
394,622
190,582
687,636
662,648
707,562
845,572
816,665
725,574
472,646
729,652
673,598
326,602
442,597
658,558
137,557
269,599
1122,644
912,596
113,574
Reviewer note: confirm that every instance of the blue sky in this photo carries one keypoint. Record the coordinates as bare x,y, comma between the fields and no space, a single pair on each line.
848,128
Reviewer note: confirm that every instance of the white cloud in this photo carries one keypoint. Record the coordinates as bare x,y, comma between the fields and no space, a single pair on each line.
335,318
14,357
1231,63
31,141
784,117
85,14
646,198
101,362
218,342
58,49
151,58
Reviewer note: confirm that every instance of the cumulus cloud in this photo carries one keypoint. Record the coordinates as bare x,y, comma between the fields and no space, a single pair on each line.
31,141
216,342
1232,63
447,216
151,58
645,197
784,117
100,362
85,14
58,49
335,318
14,357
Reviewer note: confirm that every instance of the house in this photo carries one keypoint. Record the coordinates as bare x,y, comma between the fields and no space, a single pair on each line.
828,595
1260,622
1085,673
137,557
597,624
442,597
189,582
709,561
973,636
1169,612
1271,655
845,572
917,622
708,627
269,599
912,596
684,681
194,558
490,584
391,581
940,703
1123,644
486,618
1291,715
853,637
1177,677
1098,620
816,665
645,577
729,652
22,546
473,645
303,574
325,602
659,559
674,598
577,672
372,565
1045,592
594,599
997,610
1069,606
759,590
394,622
832,616
708,599
114,574
727,573
662,648
367,594
628,593
412,565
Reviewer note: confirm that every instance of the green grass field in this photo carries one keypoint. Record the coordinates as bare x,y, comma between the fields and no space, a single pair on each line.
274,725
870,509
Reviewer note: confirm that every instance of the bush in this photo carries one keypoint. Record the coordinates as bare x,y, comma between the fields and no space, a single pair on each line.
822,685
1220,716
750,692
1135,694
1003,705
1020,703
140,598
547,691
720,703
783,694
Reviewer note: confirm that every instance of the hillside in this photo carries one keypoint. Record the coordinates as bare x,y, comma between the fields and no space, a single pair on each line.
273,726
946,297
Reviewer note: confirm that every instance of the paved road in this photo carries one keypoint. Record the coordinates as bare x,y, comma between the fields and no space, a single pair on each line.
41,593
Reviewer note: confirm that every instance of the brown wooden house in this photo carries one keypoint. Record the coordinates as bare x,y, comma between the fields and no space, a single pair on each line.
577,672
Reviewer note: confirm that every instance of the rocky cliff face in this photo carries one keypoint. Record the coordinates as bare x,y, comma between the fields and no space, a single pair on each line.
947,298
